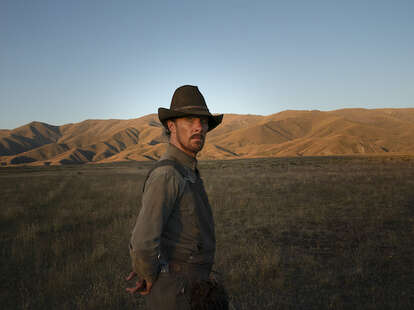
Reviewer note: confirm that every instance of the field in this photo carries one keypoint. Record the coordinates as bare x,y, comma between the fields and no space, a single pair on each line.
292,233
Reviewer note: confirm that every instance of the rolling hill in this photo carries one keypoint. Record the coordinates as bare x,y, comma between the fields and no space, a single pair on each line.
288,133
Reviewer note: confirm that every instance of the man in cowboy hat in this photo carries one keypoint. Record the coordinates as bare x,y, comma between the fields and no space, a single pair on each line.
173,243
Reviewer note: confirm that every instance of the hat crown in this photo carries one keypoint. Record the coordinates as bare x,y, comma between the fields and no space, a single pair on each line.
188,98
186,101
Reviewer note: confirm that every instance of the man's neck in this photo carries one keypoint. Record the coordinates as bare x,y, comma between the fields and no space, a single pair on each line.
178,155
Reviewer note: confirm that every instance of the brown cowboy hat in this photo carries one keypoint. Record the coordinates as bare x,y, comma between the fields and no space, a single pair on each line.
187,100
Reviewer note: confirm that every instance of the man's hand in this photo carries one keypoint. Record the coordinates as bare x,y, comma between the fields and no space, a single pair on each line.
142,286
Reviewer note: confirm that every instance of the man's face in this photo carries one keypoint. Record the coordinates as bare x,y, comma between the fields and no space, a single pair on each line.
189,133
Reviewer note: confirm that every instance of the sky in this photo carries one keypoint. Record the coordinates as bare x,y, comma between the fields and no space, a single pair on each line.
65,61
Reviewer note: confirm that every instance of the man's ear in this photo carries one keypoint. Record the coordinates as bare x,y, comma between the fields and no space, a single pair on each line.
171,125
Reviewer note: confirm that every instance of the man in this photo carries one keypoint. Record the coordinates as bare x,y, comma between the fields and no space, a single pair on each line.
173,243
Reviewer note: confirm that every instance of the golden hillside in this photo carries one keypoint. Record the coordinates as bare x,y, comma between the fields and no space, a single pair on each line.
288,133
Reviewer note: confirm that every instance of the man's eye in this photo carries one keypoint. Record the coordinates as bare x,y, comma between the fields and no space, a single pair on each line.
193,118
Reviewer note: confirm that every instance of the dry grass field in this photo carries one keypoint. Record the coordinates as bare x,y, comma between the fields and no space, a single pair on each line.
292,233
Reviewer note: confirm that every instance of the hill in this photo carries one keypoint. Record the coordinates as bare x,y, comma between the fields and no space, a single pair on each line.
288,133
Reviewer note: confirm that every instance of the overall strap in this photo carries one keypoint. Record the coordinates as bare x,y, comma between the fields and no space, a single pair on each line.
166,162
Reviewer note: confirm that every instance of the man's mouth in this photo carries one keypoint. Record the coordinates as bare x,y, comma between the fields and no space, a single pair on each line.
197,137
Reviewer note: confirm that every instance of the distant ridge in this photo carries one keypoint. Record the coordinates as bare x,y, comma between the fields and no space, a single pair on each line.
288,133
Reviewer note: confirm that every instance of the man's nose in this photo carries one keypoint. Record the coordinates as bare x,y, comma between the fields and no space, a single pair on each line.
197,125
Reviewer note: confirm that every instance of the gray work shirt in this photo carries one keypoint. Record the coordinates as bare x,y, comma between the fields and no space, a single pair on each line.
175,222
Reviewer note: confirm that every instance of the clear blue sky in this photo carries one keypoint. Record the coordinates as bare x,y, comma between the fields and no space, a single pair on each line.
66,61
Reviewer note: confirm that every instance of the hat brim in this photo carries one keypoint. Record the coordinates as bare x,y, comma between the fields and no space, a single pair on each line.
166,114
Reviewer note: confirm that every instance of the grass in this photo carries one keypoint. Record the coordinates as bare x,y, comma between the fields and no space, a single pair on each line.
292,233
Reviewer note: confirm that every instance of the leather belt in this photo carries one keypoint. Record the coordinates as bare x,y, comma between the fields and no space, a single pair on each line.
202,271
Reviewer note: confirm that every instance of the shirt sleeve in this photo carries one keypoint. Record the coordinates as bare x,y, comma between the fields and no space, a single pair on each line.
161,192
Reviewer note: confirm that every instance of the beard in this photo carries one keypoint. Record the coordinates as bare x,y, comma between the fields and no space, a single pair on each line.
194,143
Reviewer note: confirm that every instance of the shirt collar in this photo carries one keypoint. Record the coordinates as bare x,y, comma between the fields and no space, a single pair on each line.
181,157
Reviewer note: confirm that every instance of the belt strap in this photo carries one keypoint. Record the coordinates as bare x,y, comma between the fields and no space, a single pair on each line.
193,270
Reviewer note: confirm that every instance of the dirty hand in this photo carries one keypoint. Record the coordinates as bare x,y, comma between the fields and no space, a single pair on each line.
142,286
